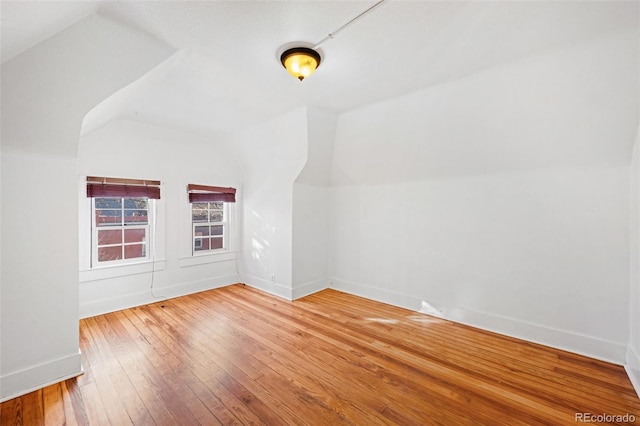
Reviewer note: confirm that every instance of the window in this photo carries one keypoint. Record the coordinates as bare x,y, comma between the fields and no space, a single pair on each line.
120,229
120,219
209,217
209,221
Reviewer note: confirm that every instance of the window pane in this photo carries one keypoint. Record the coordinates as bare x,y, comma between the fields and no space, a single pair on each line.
216,243
208,237
199,215
109,253
115,238
108,217
136,203
136,216
201,231
199,244
109,237
134,235
108,203
134,251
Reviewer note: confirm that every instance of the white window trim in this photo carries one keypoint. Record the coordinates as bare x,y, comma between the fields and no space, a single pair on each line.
87,274
186,256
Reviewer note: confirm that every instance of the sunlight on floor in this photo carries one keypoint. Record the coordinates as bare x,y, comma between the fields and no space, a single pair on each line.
383,320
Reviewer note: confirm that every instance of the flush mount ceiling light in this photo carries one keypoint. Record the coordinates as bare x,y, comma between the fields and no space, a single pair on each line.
301,62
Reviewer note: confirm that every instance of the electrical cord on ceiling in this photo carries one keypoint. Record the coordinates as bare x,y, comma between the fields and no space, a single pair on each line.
332,35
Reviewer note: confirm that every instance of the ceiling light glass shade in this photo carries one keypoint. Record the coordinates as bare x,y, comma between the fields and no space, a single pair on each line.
301,62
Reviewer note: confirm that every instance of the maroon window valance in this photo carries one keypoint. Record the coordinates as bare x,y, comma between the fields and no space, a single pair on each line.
117,187
203,193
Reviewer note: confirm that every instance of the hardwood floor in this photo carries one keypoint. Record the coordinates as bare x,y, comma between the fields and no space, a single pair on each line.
236,355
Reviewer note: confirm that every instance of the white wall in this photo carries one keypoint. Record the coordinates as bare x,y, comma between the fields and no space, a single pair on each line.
271,156
633,349
39,288
135,150
501,198
1,180
311,206
539,255
321,133
46,92
310,261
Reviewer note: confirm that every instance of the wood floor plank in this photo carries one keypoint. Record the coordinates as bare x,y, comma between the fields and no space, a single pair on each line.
266,349
33,404
238,356
180,373
154,348
134,406
75,408
52,397
132,362
231,373
168,403
294,349
517,364
11,412
96,411
366,389
67,405
440,405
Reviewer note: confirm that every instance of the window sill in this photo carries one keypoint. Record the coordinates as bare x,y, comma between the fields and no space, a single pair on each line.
113,271
201,259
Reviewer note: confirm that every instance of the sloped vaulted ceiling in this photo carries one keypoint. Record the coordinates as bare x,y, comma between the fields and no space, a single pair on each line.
47,90
225,73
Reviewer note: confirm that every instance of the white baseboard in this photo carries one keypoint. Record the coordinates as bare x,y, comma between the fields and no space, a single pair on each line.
38,376
267,286
560,339
632,366
309,288
103,306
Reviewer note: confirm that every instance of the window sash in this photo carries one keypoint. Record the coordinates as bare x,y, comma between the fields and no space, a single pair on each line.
199,242
122,227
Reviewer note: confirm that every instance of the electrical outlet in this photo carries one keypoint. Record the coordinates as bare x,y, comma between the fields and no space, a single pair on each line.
273,278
